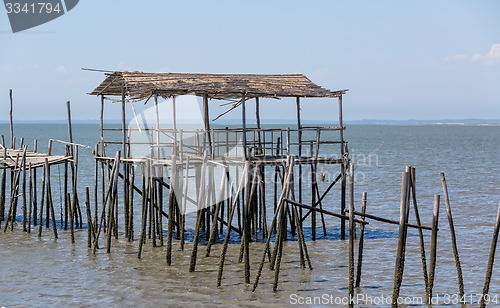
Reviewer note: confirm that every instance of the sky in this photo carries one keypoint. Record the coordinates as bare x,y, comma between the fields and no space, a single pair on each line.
400,60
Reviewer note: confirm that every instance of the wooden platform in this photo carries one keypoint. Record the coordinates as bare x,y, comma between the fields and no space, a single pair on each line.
10,158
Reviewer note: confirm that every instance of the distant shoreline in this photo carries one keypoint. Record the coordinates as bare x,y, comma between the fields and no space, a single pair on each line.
464,122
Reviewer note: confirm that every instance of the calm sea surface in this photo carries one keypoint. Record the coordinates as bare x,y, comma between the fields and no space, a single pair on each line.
46,272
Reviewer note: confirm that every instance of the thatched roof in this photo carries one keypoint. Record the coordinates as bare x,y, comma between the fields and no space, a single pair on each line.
141,85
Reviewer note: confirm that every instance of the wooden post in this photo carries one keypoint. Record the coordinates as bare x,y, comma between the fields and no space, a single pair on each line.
257,117
70,131
171,201
101,128
50,204
491,259
90,228
124,127
420,232
361,242
342,170
432,261
398,271
11,122
3,187
352,231
174,120
206,120
35,191
244,125
200,207
24,207
157,126
453,237
299,132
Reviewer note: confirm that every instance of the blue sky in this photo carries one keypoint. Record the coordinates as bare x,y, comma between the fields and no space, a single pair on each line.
399,59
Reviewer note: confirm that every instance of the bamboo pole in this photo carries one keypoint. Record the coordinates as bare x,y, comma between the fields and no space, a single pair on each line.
453,237
491,260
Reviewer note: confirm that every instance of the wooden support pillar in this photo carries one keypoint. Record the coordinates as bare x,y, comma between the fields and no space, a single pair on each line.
157,126
206,120
70,131
11,121
342,171
352,232
101,128
174,120
244,124
299,129
124,127
257,117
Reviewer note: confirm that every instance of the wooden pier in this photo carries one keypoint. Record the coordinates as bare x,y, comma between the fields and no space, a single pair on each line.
254,181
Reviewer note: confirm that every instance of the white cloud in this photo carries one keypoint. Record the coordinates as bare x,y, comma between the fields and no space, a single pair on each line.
493,56
61,69
455,58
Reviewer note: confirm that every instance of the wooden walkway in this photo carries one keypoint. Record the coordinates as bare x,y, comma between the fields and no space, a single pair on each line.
12,158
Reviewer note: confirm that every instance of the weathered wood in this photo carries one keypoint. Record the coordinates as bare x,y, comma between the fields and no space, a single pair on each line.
453,237
491,259
390,221
12,142
244,125
352,231
200,205
343,168
420,233
361,242
400,255
50,204
140,85
326,211
433,255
